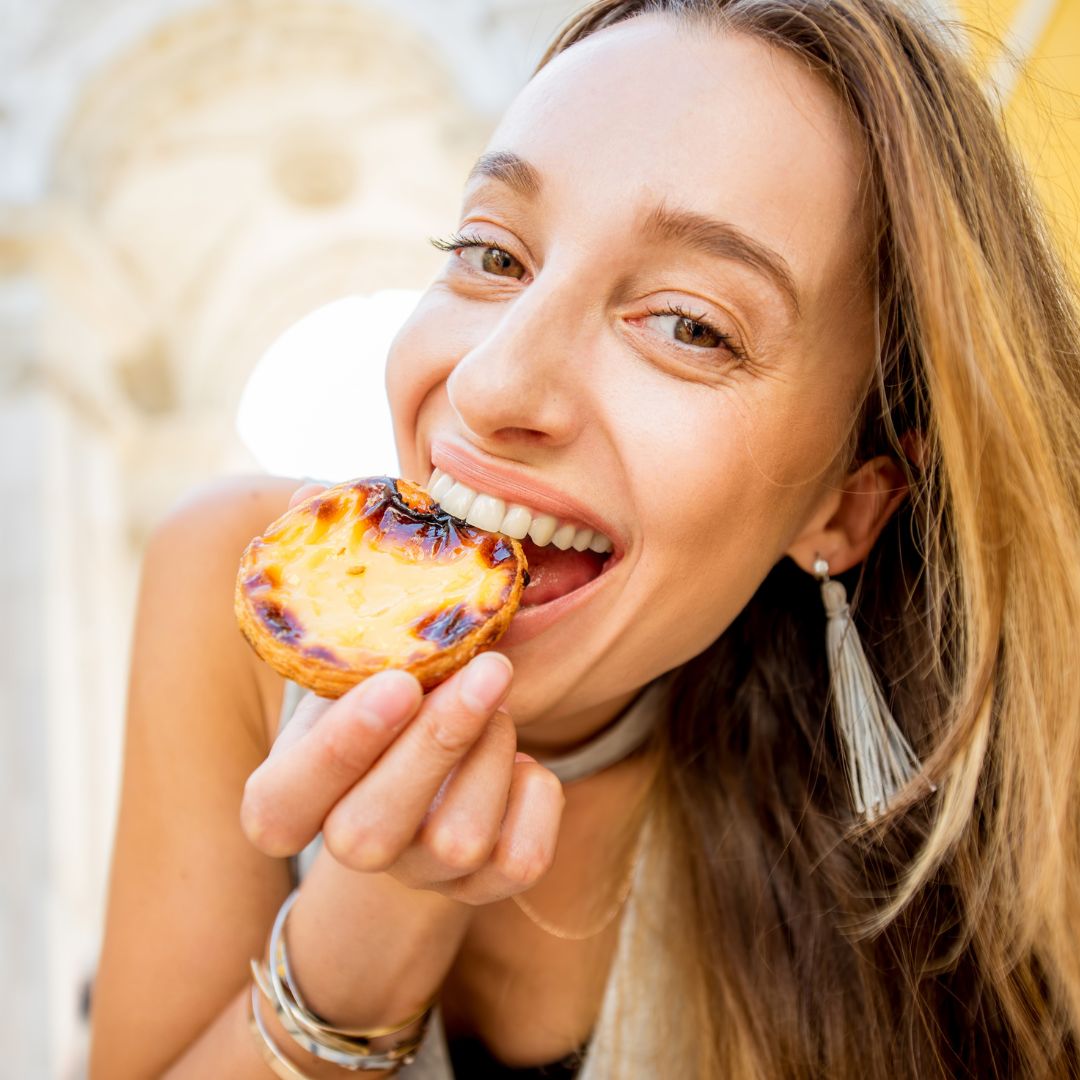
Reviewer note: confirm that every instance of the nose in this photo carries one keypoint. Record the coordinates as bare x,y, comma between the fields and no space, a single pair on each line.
526,381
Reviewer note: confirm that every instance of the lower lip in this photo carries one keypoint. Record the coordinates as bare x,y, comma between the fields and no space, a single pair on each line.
530,621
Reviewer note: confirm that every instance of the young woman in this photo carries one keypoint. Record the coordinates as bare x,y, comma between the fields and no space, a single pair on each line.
752,289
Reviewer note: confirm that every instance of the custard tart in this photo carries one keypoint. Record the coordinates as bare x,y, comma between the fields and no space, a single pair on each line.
372,574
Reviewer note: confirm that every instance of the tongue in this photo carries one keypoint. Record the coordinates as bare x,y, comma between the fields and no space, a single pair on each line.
554,573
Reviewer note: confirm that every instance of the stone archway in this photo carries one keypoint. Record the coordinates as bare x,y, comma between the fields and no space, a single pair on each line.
234,146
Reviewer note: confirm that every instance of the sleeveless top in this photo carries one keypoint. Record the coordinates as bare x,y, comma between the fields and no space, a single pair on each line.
626,1021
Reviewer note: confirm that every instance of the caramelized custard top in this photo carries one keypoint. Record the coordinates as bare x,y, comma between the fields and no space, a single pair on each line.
374,568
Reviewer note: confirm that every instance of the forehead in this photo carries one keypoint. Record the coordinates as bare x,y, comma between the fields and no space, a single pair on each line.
658,109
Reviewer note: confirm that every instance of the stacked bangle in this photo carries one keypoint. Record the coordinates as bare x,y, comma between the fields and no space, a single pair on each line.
348,1048
271,1052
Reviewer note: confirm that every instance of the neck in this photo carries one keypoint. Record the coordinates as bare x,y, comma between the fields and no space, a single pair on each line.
545,739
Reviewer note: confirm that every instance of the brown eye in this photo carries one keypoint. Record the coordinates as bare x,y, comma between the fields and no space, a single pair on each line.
690,332
676,325
494,260
483,256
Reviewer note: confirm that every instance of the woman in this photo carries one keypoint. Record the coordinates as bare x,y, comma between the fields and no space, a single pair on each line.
756,291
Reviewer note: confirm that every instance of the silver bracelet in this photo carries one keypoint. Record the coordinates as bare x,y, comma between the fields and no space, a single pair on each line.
349,1049
279,957
271,1052
340,1045
353,1062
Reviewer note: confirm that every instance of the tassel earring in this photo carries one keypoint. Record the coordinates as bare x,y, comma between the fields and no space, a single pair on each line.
879,759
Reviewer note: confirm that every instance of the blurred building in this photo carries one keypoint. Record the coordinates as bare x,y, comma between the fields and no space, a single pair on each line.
180,181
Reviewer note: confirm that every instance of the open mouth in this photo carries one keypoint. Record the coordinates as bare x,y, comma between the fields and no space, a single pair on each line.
554,573
564,553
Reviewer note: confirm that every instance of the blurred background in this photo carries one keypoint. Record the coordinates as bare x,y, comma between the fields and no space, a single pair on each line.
213,216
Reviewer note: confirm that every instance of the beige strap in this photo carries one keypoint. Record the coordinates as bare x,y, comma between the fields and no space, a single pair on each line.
617,741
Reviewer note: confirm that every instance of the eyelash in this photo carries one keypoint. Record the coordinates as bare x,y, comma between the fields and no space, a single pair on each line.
727,341
456,241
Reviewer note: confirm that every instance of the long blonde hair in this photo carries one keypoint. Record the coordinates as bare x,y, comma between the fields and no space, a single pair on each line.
946,942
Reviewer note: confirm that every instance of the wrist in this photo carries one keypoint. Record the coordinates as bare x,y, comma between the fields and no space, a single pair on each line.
366,951
332,1049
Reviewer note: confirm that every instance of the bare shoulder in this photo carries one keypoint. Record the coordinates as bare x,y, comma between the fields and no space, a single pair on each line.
187,587
217,519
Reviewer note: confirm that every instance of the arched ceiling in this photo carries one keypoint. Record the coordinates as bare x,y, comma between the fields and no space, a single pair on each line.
247,161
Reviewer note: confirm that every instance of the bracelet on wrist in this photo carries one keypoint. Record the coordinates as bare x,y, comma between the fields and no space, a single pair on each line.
271,1052
350,1048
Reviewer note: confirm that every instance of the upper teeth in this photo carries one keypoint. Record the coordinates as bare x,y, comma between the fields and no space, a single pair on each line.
493,515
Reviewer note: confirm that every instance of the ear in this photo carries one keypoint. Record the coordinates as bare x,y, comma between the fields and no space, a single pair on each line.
847,523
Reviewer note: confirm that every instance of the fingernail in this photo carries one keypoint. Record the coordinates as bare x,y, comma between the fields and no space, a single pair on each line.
485,681
386,700
521,756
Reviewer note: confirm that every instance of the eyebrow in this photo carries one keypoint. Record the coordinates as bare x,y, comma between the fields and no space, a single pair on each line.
510,169
717,238
724,240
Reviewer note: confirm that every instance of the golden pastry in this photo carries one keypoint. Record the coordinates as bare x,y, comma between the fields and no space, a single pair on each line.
372,574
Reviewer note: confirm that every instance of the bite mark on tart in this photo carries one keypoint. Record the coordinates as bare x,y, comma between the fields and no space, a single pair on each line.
372,574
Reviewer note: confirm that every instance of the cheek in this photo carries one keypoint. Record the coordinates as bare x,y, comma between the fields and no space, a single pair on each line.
420,359
737,462
732,515
735,481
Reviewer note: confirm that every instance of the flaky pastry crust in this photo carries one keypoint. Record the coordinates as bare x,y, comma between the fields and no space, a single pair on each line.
371,574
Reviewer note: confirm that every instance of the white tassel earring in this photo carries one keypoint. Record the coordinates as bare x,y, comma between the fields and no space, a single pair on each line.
879,759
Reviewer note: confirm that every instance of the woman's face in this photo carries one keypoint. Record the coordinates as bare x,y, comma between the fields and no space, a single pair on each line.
665,323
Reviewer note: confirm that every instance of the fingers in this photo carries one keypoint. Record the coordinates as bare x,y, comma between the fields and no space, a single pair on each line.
462,826
527,840
306,715
371,826
310,768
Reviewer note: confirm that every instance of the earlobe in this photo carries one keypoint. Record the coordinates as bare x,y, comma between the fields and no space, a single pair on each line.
845,528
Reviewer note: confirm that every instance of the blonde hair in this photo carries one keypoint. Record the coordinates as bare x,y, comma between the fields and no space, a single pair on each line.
947,941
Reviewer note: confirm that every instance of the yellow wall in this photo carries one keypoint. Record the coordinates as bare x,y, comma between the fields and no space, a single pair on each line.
1042,101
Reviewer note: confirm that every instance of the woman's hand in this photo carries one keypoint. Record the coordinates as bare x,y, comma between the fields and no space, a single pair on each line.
428,789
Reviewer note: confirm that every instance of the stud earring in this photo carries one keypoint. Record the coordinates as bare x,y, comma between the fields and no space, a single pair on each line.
878,758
